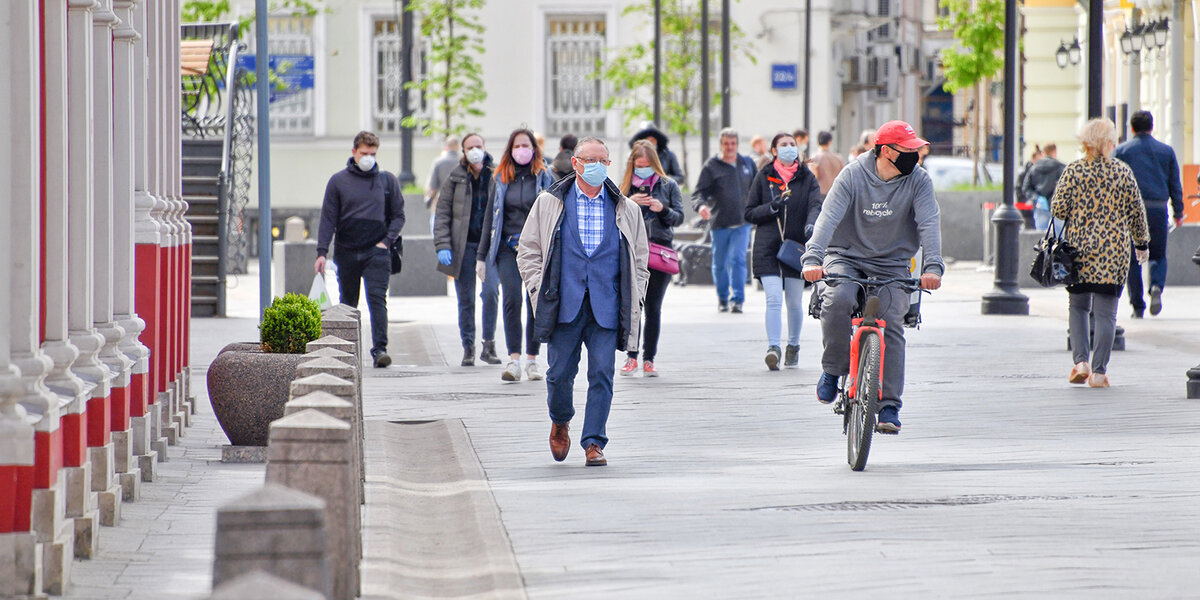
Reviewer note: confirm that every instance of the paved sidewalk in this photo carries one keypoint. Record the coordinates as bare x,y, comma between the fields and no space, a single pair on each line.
728,481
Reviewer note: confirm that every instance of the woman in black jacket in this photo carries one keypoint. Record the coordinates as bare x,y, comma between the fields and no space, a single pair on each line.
784,202
647,184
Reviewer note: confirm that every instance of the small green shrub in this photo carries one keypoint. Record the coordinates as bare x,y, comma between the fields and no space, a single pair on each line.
289,324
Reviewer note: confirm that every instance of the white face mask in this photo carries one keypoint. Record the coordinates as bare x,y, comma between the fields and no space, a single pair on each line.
475,155
366,162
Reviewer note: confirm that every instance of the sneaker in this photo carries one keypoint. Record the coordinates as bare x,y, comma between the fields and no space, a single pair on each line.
488,353
736,307
1155,300
722,307
827,388
889,420
532,371
791,356
1079,373
648,369
772,358
1138,313
382,360
1098,380
512,372
630,367
468,359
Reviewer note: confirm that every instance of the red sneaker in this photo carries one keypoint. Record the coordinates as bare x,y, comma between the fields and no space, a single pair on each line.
630,367
648,369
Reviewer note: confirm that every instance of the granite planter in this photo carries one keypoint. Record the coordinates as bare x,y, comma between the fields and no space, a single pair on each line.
248,389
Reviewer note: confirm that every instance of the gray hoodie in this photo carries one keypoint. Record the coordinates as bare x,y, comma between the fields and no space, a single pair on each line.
887,220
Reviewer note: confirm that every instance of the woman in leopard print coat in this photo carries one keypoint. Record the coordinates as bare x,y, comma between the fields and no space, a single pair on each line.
1098,198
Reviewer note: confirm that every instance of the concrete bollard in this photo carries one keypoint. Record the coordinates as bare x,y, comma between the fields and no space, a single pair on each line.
337,343
344,311
257,585
311,452
293,259
275,529
324,382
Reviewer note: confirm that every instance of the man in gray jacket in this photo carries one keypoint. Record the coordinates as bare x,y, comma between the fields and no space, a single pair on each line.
879,212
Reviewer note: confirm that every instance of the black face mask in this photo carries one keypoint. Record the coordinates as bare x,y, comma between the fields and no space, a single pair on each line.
906,162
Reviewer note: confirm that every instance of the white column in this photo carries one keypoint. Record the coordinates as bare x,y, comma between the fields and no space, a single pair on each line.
18,168
81,502
127,90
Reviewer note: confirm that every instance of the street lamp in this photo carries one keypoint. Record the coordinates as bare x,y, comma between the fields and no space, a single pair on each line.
1074,52
1061,56
1193,384
1127,43
1160,33
1148,35
1135,38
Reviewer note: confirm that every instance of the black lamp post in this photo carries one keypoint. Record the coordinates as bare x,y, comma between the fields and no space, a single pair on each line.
406,56
1006,298
658,64
705,99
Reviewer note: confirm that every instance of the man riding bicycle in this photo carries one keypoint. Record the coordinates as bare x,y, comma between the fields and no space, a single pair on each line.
879,212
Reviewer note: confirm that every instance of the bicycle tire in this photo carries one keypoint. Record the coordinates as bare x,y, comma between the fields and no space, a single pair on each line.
865,404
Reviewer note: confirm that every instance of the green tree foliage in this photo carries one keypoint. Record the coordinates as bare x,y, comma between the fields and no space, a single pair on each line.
978,27
289,324
213,11
454,84
630,70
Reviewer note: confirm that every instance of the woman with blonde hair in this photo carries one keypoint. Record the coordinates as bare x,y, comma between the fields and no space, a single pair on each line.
1099,202
646,183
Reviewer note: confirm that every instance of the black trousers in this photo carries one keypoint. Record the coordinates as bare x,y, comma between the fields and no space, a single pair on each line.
656,289
513,293
374,267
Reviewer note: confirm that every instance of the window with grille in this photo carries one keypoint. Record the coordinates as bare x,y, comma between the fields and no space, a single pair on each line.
386,52
574,90
289,38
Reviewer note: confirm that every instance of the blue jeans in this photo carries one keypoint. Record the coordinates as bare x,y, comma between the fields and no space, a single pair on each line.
729,262
1159,222
563,354
464,287
777,288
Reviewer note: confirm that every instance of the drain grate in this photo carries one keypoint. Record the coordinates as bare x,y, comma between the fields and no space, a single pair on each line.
869,505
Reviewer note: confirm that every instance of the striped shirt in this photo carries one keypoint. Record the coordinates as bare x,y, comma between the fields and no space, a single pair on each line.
591,218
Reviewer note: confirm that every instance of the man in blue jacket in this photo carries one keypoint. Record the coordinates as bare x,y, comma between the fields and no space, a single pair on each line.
363,206
1157,172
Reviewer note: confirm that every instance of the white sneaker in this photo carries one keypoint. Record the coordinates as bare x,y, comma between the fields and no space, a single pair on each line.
512,372
533,372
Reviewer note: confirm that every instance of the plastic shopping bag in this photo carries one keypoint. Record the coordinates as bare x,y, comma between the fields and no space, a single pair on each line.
317,292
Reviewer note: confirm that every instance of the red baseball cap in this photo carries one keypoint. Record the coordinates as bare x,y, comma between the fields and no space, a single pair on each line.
900,133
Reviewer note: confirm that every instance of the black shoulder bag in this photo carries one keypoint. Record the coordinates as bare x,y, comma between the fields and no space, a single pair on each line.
1055,260
396,250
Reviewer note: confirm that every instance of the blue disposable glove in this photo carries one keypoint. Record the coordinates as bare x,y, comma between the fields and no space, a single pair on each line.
445,257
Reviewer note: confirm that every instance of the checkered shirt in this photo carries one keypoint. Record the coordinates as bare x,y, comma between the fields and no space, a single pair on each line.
591,218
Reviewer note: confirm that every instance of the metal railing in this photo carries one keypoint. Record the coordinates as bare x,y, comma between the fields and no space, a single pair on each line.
219,104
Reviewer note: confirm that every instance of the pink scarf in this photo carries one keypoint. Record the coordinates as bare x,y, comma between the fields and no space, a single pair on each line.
648,182
786,172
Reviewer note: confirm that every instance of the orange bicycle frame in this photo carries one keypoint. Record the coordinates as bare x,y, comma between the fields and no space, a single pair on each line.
858,331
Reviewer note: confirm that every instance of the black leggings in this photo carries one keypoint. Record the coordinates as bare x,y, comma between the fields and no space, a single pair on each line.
514,291
655,291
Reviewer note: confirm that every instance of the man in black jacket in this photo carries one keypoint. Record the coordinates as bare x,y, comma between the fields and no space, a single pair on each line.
1039,184
363,206
720,196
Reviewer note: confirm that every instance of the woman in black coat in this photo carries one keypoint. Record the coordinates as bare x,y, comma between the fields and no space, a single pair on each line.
647,184
784,202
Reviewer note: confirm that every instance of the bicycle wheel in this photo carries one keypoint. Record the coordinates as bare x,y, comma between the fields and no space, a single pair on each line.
865,402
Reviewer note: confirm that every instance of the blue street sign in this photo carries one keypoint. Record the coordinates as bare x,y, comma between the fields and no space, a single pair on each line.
783,76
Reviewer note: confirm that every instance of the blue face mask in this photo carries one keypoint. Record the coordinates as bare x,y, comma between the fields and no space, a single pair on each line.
643,172
788,154
595,173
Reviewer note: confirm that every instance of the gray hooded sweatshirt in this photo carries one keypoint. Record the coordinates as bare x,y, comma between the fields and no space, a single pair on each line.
878,223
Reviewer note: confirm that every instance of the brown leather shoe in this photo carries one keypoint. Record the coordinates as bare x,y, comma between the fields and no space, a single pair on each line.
595,456
1079,373
560,441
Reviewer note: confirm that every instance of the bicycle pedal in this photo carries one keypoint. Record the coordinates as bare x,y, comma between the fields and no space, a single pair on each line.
878,429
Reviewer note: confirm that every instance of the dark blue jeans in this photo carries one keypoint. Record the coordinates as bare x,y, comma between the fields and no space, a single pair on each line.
1157,218
464,287
374,267
563,354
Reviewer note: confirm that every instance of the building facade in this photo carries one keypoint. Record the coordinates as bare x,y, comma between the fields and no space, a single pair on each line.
94,352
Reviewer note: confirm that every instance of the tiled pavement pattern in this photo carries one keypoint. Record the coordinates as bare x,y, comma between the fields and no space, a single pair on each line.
726,481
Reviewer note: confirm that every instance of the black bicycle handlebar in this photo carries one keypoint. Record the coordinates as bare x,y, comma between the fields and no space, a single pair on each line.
908,284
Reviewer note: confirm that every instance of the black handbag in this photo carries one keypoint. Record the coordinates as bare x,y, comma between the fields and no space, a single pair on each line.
791,252
1055,261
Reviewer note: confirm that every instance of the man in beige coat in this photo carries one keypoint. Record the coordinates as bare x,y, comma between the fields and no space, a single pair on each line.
583,257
